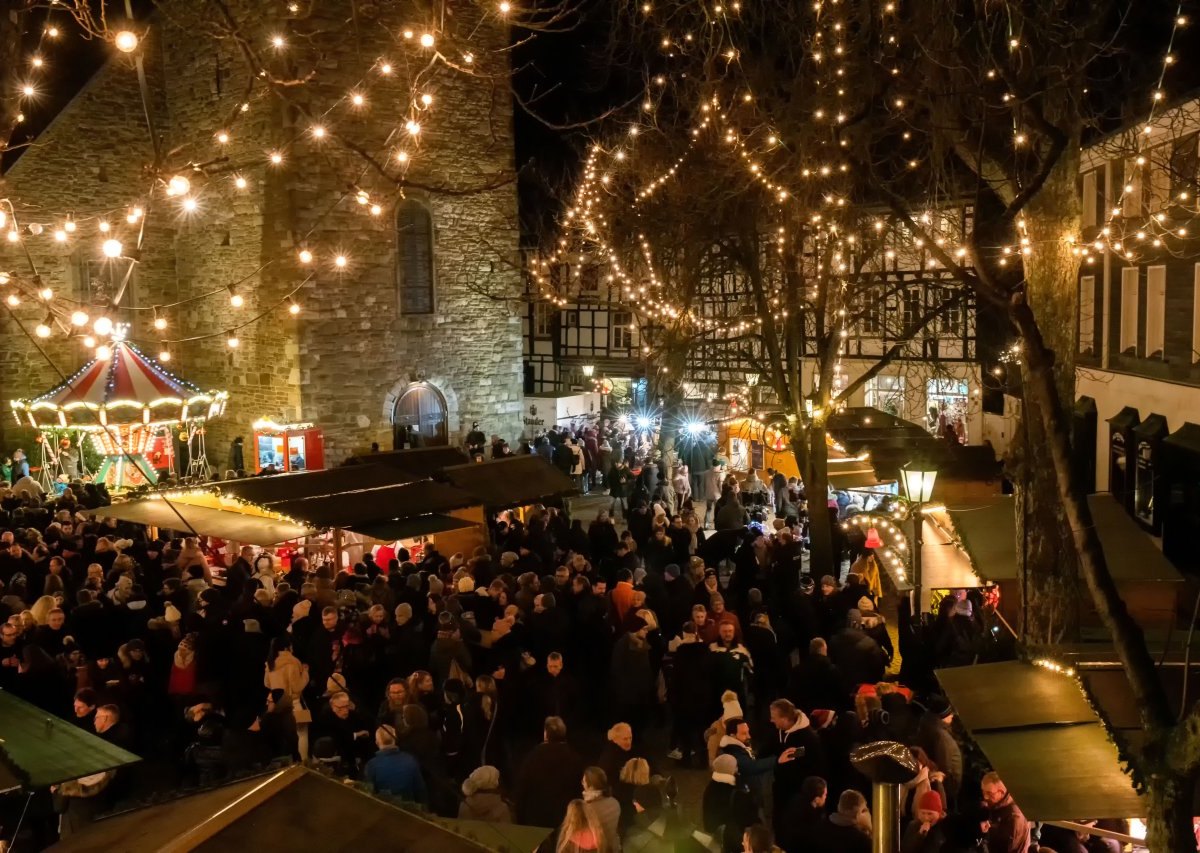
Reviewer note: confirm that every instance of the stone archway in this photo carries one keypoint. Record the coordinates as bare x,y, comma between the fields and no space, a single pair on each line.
424,410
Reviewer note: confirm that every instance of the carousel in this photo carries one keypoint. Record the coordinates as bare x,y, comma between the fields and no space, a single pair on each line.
127,404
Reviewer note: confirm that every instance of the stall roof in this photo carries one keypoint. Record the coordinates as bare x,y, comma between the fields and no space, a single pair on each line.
419,461
989,535
41,749
407,528
403,501
208,521
290,810
1051,749
1187,437
515,481
310,484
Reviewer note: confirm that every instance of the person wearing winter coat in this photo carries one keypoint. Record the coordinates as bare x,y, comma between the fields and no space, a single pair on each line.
795,734
597,796
857,657
934,736
727,808
731,709
923,835
482,797
391,771
848,830
631,680
547,779
751,769
1008,830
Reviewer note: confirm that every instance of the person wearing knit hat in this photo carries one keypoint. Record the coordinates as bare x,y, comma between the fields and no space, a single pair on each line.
923,834
466,584
727,807
508,558
483,800
731,709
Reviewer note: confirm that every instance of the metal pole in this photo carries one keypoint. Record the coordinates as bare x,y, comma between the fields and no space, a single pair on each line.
922,604
885,818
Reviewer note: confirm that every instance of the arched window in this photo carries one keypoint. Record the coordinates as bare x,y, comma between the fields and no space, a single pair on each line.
414,257
419,417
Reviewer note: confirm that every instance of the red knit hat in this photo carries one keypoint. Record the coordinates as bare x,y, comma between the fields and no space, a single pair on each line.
930,801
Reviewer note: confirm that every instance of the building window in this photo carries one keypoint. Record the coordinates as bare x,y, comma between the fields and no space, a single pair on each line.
419,417
543,319
1196,314
414,257
100,282
1185,170
1089,199
622,330
911,307
1156,309
1087,315
1129,310
1159,164
886,393
571,319
952,317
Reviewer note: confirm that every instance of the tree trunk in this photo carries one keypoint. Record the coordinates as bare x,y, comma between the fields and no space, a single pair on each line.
1169,826
1048,574
812,460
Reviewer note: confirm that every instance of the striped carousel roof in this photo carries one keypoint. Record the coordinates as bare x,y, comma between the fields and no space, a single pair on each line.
128,374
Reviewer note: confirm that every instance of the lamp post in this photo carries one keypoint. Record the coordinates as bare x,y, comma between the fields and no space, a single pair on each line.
918,488
589,370
752,383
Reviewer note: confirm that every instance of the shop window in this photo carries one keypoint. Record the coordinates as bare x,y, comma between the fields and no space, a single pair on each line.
414,251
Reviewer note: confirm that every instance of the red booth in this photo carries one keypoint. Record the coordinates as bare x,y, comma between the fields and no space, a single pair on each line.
288,447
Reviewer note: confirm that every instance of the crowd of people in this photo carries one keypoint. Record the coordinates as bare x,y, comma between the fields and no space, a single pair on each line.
560,677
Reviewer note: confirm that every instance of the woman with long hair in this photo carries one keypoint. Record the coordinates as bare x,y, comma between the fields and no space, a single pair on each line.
600,801
42,607
580,831
483,729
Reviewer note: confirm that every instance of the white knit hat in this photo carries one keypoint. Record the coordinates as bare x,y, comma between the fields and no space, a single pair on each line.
731,708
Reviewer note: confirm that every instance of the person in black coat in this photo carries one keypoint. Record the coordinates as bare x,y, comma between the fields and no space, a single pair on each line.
549,778
690,693
844,831
816,683
858,658
793,732
728,807
804,814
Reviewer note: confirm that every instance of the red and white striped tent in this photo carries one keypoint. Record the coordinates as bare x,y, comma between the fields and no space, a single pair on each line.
120,387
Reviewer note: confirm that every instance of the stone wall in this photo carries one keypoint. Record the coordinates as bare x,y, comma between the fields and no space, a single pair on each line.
342,361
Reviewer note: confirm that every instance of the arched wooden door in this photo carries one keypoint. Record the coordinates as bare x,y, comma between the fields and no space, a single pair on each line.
420,414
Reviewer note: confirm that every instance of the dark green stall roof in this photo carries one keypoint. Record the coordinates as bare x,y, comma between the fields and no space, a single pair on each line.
1040,734
989,535
41,749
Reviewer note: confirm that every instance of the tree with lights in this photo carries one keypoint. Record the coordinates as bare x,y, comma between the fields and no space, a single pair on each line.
906,106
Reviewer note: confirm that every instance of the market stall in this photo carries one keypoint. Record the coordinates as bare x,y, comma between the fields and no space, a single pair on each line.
288,447
127,404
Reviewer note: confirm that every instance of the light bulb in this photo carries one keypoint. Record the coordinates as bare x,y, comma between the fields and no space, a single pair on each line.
103,326
376,210
160,323
35,228
232,341
427,40
103,226
103,352
402,156
13,235
112,248
277,42
126,41
79,318
340,261
427,99
52,32
46,293
69,226
89,341
276,158
239,182
13,300
294,309
190,204
412,127
165,355
28,91
178,185
60,235
318,132
236,300
505,7
222,137
385,68
42,330
357,99
306,256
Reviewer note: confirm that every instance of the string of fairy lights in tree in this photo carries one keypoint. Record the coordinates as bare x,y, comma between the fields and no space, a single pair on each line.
178,189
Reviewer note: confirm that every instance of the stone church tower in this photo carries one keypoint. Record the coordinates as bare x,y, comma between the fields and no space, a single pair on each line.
395,170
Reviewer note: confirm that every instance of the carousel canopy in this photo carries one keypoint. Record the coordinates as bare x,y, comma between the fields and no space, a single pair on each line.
126,388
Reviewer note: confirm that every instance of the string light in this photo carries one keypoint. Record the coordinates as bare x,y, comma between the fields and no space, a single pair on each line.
112,248
126,41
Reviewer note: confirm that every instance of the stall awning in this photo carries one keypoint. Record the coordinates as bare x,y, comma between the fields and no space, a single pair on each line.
41,749
418,461
515,481
207,521
403,501
1039,733
408,528
310,484
856,479
989,535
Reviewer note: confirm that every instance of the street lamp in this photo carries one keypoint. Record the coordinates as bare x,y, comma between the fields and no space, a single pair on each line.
589,370
918,488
